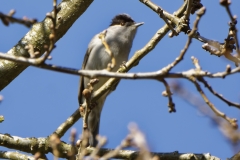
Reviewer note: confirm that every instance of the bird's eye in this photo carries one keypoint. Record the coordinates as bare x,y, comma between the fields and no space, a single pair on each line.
122,23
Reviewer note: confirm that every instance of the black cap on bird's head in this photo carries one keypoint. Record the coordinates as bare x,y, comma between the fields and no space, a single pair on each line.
122,19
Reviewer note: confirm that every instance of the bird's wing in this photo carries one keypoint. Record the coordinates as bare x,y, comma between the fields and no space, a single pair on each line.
81,83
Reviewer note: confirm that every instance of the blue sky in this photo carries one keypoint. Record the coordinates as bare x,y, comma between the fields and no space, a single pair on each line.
38,101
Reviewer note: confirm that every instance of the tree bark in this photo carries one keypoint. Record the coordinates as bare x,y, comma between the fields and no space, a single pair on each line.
69,11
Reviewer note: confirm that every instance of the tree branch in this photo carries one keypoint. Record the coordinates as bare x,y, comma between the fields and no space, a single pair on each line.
231,121
8,18
129,154
201,79
31,145
15,156
38,37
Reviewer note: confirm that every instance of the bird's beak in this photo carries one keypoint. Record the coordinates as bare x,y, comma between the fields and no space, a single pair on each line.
138,24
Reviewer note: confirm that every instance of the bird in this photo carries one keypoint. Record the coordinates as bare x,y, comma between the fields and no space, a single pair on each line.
119,37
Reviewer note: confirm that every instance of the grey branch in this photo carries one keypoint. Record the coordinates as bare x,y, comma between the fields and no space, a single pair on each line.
32,145
15,156
129,154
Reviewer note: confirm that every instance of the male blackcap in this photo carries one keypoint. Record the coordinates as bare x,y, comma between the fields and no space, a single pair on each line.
119,37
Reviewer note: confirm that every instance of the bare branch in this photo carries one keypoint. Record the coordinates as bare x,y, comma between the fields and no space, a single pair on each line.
190,36
228,130
30,145
73,152
172,18
38,36
8,18
15,156
55,143
87,93
188,10
62,129
201,79
226,4
182,25
168,94
128,154
125,143
82,144
231,121
161,14
149,75
101,142
33,145
108,50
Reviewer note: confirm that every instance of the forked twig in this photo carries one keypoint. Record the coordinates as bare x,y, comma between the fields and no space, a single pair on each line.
168,93
8,18
108,50
226,4
201,79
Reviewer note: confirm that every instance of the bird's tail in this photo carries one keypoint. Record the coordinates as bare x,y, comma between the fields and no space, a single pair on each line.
94,122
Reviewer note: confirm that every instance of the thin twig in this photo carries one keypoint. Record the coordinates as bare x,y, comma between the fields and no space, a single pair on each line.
82,145
52,36
125,143
101,142
171,104
73,151
182,25
6,19
228,130
226,4
161,14
87,95
190,36
201,79
231,121
188,10
111,65
55,142
173,19
62,129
